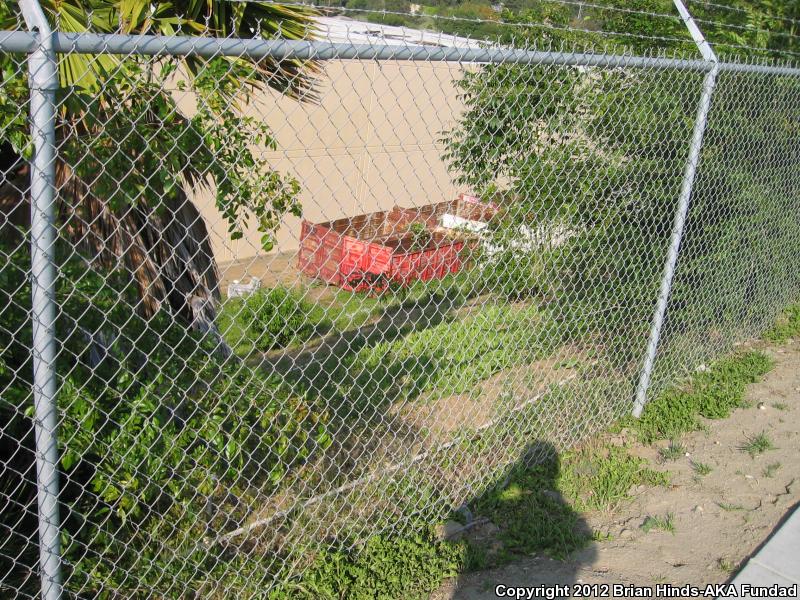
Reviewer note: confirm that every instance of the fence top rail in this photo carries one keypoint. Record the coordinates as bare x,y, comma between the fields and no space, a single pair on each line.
258,49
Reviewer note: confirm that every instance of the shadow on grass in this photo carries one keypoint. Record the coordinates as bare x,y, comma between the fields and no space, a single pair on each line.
518,512
321,368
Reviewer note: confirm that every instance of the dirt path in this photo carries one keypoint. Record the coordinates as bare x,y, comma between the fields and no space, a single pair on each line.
720,518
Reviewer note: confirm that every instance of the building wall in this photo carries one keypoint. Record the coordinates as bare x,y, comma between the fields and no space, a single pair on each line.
370,143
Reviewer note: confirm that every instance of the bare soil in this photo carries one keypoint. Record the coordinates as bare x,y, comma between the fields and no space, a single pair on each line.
272,269
720,518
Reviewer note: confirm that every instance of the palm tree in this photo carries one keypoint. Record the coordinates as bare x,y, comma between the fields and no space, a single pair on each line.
118,125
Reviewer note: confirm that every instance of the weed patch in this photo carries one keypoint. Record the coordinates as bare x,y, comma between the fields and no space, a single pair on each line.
408,565
674,451
713,394
786,327
729,507
661,523
726,566
538,508
600,480
533,516
701,468
757,444
278,317
467,352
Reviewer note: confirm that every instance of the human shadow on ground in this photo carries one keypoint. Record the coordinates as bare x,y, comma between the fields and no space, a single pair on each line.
522,514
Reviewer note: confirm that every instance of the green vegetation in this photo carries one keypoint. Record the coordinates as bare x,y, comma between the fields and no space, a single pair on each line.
726,566
601,478
538,507
168,444
278,317
660,523
701,469
787,326
757,444
141,400
420,236
532,513
712,394
410,565
673,451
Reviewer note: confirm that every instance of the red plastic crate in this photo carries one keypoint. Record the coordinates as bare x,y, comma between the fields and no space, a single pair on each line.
369,251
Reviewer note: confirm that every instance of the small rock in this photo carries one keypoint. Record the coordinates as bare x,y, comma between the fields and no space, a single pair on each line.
687,455
716,442
749,477
762,406
698,509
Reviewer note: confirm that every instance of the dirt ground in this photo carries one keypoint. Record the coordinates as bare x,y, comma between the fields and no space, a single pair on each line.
271,269
720,519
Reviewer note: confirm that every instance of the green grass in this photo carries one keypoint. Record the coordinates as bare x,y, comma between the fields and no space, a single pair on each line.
713,394
771,469
599,479
660,523
532,515
786,327
726,566
339,309
423,344
674,451
538,509
453,356
701,468
780,406
757,444
408,565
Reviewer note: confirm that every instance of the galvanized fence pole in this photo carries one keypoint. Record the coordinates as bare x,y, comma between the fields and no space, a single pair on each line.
43,82
683,206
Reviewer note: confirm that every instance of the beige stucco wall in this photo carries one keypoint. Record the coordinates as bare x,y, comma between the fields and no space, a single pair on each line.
369,144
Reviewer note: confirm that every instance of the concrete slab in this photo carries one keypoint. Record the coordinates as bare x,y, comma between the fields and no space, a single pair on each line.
782,552
777,563
755,575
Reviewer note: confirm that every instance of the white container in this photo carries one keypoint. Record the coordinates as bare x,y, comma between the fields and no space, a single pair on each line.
237,289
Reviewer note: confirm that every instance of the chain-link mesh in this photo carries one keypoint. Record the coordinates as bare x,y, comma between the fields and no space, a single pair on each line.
300,304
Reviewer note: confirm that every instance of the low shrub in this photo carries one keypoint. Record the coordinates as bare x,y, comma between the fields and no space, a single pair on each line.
156,428
278,317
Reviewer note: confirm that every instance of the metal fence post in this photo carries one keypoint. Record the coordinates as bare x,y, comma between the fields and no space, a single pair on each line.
43,81
683,206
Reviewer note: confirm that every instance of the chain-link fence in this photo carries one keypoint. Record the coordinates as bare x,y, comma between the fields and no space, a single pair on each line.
264,298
